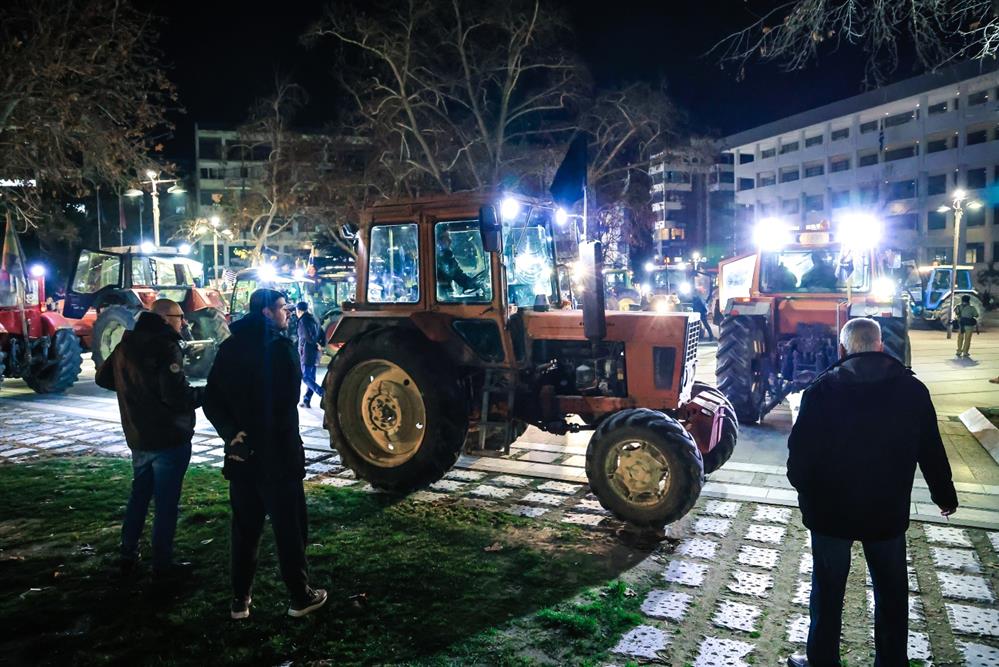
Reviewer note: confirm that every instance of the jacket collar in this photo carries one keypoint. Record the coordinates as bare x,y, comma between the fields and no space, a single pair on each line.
152,324
865,367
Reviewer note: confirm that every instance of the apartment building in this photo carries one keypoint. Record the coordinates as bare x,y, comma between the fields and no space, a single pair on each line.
899,151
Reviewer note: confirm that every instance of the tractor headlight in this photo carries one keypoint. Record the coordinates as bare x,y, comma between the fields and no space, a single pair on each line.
661,306
771,234
266,273
147,247
561,216
685,288
883,288
858,231
37,271
509,208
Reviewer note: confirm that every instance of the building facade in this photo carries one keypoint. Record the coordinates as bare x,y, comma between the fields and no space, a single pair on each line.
899,151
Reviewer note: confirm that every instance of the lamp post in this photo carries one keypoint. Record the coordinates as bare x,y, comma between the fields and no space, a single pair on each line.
215,226
154,181
957,205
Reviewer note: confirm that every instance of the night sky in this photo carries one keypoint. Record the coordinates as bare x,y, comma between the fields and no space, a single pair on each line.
223,54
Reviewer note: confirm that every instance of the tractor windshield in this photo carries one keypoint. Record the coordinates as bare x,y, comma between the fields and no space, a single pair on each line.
246,285
463,271
95,270
528,252
161,272
813,270
394,264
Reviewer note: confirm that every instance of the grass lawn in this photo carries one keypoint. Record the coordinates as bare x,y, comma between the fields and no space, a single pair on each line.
422,583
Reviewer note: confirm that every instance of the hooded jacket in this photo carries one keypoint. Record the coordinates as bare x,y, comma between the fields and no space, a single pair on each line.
862,428
310,339
253,387
146,369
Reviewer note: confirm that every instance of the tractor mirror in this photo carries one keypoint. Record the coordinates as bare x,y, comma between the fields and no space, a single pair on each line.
490,229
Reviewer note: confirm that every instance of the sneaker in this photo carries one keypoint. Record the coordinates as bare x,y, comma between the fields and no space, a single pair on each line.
797,660
314,599
240,608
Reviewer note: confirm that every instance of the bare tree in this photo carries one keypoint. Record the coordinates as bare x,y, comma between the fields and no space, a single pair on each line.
794,33
81,91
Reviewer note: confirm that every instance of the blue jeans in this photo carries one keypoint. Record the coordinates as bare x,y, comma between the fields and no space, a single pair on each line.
309,379
831,565
156,475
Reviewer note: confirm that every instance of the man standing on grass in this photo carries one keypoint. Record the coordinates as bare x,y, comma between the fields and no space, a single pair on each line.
157,414
252,400
862,428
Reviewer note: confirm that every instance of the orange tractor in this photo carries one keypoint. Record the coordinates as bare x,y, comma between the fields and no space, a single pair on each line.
456,343
784,306
36,345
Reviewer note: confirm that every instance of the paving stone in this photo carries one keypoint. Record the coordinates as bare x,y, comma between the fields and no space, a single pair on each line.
956,559
540,457
772,514
486,491
560,487
465,475
588,505
313,455
198,449
199,459
120,450
20,451
979,655
425,496
696,547
347,474
218,464
919,646
218,451
645,641
954,537
797,630
670,605
994,539
524,510
805,564
758,557
736,616
722,508
915,607
768,534
582,519
685,572
804,592
969,620
707,526
715,652
53,444
35,439
751,583
512,480
74,449
339,482
964,587
447,486
543,499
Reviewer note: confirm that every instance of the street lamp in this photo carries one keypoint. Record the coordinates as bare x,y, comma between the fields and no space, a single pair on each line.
957,205
155,181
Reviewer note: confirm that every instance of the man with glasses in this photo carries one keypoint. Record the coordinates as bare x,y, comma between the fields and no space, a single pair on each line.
157,414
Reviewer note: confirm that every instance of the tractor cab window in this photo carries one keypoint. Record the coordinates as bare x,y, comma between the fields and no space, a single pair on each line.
161,272
394,264
810,271
464,274
95,270
528,255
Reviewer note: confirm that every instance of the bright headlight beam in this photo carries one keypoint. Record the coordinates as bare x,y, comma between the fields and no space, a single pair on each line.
509,208
771,234
858,231
561,217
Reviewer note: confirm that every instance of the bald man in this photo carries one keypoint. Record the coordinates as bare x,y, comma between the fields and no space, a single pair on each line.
157,414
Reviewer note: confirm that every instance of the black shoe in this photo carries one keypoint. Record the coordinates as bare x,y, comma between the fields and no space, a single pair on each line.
797,660
240,607
314,599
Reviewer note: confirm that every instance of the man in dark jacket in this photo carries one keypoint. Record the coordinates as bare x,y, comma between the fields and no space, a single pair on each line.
157,414
862,428
310,347
252,400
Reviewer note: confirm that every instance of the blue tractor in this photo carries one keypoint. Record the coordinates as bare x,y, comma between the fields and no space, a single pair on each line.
928,288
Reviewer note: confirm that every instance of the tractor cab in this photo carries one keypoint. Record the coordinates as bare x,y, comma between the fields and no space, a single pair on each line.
929,291
458,340
673,287
784,306
294,285
620,291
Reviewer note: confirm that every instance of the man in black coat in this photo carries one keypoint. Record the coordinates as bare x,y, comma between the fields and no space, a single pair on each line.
310,347
862,428
157,414
252,400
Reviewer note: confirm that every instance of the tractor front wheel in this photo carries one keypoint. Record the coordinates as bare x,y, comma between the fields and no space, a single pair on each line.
394,411
644,467
60,369
722,451
110,326
741,346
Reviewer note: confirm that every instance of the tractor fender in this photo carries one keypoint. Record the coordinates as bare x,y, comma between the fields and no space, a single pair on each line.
756,307
52,322
702,417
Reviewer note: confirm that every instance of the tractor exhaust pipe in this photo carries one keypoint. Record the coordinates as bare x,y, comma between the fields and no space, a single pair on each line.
594,315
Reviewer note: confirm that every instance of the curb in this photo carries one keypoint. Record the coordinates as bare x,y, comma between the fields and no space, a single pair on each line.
984,431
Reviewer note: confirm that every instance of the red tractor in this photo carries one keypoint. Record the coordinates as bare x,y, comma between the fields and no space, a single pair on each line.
36,345
110,287
457,341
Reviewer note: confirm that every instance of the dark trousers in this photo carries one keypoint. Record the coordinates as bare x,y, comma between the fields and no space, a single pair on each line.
284,502
309,379
831,565
156,475
707,325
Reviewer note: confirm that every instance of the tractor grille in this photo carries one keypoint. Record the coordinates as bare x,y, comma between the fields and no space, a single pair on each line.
690,356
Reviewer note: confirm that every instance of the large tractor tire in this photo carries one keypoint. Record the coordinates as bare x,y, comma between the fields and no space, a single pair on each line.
722,451
740,377
110,326
395,411
895,338
627,298
942,313
205,324
644,467
62,367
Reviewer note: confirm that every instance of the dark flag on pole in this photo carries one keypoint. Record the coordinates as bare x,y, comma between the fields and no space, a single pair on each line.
570,179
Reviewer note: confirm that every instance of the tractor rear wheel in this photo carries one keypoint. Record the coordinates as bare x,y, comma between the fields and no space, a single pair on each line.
395,412
59,371
722,451
627,298
206,324
895,338
110,326
741,346
644,467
